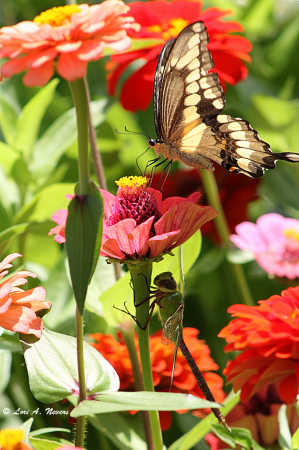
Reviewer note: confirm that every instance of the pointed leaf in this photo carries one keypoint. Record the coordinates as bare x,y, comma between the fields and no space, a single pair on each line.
59,137
142,401
8,116
284,436
83,240
28,123
52,367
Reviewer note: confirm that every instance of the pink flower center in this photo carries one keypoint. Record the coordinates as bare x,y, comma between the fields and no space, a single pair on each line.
133,202
291,247
57,16
170,29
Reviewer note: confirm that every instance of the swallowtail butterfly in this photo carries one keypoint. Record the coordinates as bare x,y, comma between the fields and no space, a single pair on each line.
187,102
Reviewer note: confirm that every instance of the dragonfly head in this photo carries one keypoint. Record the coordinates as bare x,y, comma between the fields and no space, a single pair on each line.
165,282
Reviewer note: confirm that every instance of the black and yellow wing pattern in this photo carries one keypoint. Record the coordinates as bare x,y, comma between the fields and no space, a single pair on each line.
187,101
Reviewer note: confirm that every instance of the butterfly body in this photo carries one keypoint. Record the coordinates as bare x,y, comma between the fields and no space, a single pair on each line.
187,101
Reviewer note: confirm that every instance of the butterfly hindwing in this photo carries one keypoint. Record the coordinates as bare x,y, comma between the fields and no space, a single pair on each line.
187,101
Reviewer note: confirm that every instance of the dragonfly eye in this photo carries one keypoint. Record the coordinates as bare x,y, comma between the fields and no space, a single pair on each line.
167,285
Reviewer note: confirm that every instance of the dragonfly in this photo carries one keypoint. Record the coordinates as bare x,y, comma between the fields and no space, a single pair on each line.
171,302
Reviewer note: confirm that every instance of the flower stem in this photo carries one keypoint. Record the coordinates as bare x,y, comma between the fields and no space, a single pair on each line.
80,428
128,335
212,193
141,279
80,99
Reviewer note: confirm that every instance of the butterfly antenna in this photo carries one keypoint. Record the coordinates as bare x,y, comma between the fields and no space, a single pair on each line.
132,132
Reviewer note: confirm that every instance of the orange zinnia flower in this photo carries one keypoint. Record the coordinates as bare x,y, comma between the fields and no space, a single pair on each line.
268,338
18,308
72,35
115,351
11,439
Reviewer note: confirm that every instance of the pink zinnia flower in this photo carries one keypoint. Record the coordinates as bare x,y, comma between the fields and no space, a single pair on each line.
18,308
274,240
139,224
70,35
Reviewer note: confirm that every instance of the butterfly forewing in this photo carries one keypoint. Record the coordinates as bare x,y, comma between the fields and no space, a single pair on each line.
187,101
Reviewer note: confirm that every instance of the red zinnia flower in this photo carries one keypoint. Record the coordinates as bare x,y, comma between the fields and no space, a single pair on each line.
18,308
70,35
164,20
138,224
268,338
116,353
235,193
260,416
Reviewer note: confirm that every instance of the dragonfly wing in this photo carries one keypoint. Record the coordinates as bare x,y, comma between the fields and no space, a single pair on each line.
173,327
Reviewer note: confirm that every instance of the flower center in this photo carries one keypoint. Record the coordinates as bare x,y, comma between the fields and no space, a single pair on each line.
133,201
291,245
170,29
57,16
10,437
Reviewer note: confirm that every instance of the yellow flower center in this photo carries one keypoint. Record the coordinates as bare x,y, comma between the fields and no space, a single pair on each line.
132,182
57,16
291,234
170,29
10,437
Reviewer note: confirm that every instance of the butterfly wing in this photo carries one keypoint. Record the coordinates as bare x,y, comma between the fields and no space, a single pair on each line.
187,102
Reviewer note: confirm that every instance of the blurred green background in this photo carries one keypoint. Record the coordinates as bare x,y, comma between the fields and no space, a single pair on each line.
38,170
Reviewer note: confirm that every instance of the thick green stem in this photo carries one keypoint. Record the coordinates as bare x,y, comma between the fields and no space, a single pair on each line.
141,279
211,191
80,99
80,428
128,335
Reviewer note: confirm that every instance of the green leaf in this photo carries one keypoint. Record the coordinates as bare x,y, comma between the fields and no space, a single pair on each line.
122,429
47,444
142,401
28,123
83,234
8,116
188,440
191,250
277,112
58,138
210,261
45,203
137,44
295,440
284,435
52,367
238,436
5,367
